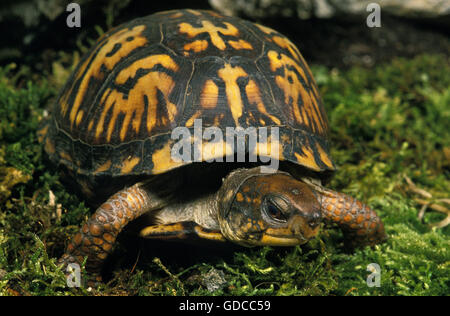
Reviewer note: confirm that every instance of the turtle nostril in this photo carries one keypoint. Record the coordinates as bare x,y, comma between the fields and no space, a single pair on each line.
314,220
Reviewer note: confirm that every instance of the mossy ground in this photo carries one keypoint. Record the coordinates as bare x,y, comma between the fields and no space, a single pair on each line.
388,123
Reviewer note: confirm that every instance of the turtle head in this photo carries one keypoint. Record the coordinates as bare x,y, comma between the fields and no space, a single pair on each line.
267,209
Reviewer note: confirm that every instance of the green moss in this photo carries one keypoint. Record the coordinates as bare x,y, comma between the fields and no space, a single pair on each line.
386,123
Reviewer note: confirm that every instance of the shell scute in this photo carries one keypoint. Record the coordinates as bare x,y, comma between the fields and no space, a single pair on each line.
142,79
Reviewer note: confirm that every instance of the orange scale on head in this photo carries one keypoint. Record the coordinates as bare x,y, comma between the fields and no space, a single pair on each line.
359,219
348,218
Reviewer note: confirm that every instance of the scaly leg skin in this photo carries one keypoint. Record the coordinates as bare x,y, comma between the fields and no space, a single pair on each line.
360,224
96,238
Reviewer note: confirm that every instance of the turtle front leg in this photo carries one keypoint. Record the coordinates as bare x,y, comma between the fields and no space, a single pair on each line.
96,238
181,230
360,224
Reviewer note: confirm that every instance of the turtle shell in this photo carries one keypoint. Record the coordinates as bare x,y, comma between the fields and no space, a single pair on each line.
142,79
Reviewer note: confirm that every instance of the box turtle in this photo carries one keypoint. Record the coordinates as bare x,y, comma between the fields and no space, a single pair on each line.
111,132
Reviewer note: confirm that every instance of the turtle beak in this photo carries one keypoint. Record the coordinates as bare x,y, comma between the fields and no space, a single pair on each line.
299,230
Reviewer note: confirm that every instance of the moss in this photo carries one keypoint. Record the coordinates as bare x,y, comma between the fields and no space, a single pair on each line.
386,123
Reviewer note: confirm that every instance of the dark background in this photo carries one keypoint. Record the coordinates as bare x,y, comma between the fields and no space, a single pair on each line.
33,32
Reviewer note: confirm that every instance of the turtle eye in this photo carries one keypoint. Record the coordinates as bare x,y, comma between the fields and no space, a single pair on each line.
275,208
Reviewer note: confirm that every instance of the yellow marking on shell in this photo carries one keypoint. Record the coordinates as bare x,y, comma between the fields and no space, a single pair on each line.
101,59
324,156
291,90
65,156
307,159
191,120
91,124
254,96
272,148
49,146
294,90
196,46
103,167
215,149
209,95
42,133
79,117
241,44
218,118
64,100
230,75
287,44
132,104
146,63
162,160
176,15
128,164
265,29
215,14
313,82
281,41
239,197
211,29
64,106
194,12
285,139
